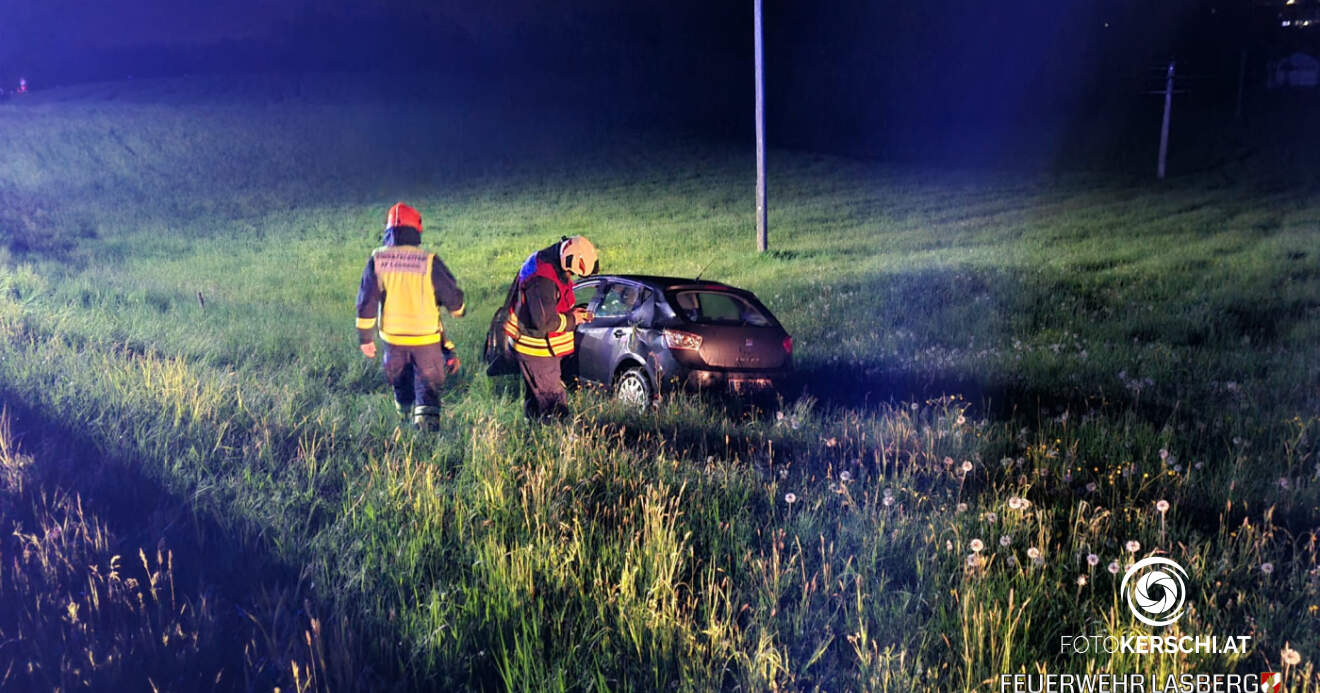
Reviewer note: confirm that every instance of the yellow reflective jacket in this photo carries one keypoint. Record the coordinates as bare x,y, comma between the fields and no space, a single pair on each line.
402,288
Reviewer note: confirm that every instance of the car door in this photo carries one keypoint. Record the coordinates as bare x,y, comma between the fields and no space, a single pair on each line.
585,295
602,340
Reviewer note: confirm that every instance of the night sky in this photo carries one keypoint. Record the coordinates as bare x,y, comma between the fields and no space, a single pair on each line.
886,79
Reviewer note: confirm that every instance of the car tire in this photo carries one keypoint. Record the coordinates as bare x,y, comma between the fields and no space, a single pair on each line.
633,388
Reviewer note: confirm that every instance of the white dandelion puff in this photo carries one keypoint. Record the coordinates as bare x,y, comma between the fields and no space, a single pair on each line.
1290,656
1267,568
976,545
1005,541
790,498
1015,502
1162,505
1113,567
1132,546
967,465
1092,560
1033,553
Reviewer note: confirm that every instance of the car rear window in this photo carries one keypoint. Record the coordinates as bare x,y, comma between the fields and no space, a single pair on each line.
719,308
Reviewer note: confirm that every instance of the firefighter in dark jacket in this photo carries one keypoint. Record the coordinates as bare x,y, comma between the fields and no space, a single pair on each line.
541,321
402,289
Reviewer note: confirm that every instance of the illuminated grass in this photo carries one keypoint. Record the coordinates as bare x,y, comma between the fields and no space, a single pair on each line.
1054,334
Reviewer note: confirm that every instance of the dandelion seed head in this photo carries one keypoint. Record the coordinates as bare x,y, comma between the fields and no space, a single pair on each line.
990,517
1132,546
1164,454
962,507
1267,568
967,465
1113,567
1033,553
1081,580
1015,502
845,475
977,546
1290,656
973,560
1092,560
888,501
1162,505
790,498
1005,540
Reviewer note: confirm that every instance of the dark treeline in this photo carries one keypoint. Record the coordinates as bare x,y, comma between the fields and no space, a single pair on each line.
939,80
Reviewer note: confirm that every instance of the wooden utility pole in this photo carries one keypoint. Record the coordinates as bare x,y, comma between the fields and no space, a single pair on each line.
1242,81
762,238
1164,129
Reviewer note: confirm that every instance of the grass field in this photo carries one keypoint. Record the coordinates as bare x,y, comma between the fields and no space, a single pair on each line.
1001,375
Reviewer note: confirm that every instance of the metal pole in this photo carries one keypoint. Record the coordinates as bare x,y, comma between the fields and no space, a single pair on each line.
1242,80
1164,129
762,238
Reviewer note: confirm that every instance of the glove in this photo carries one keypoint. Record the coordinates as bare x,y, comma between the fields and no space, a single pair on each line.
451,365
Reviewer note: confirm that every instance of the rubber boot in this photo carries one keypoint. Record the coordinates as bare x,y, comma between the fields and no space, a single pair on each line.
426,418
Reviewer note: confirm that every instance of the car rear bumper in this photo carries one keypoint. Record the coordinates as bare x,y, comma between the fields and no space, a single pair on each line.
736,382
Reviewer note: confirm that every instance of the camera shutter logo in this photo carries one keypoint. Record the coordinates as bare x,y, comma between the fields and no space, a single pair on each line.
1158,592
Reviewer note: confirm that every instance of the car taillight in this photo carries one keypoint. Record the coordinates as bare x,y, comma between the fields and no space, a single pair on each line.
674,339
788,345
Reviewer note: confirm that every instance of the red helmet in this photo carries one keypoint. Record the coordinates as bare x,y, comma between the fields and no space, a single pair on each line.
403,215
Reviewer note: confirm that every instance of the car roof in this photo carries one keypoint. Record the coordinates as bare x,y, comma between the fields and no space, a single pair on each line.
663,283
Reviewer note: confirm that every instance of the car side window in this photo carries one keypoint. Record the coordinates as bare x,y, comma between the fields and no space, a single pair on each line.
584,293
619,300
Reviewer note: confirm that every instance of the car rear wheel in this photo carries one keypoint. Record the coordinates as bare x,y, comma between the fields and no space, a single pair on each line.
633,388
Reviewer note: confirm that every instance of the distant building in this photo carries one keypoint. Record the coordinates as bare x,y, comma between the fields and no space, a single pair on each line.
1296,70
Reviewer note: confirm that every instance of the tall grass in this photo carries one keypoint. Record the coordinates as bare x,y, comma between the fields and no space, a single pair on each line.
1030,363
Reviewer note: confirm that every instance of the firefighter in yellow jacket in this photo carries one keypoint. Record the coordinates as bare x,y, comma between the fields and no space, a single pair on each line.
402,290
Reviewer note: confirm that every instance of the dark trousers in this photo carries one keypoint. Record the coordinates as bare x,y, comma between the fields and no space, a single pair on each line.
543,388
416,373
